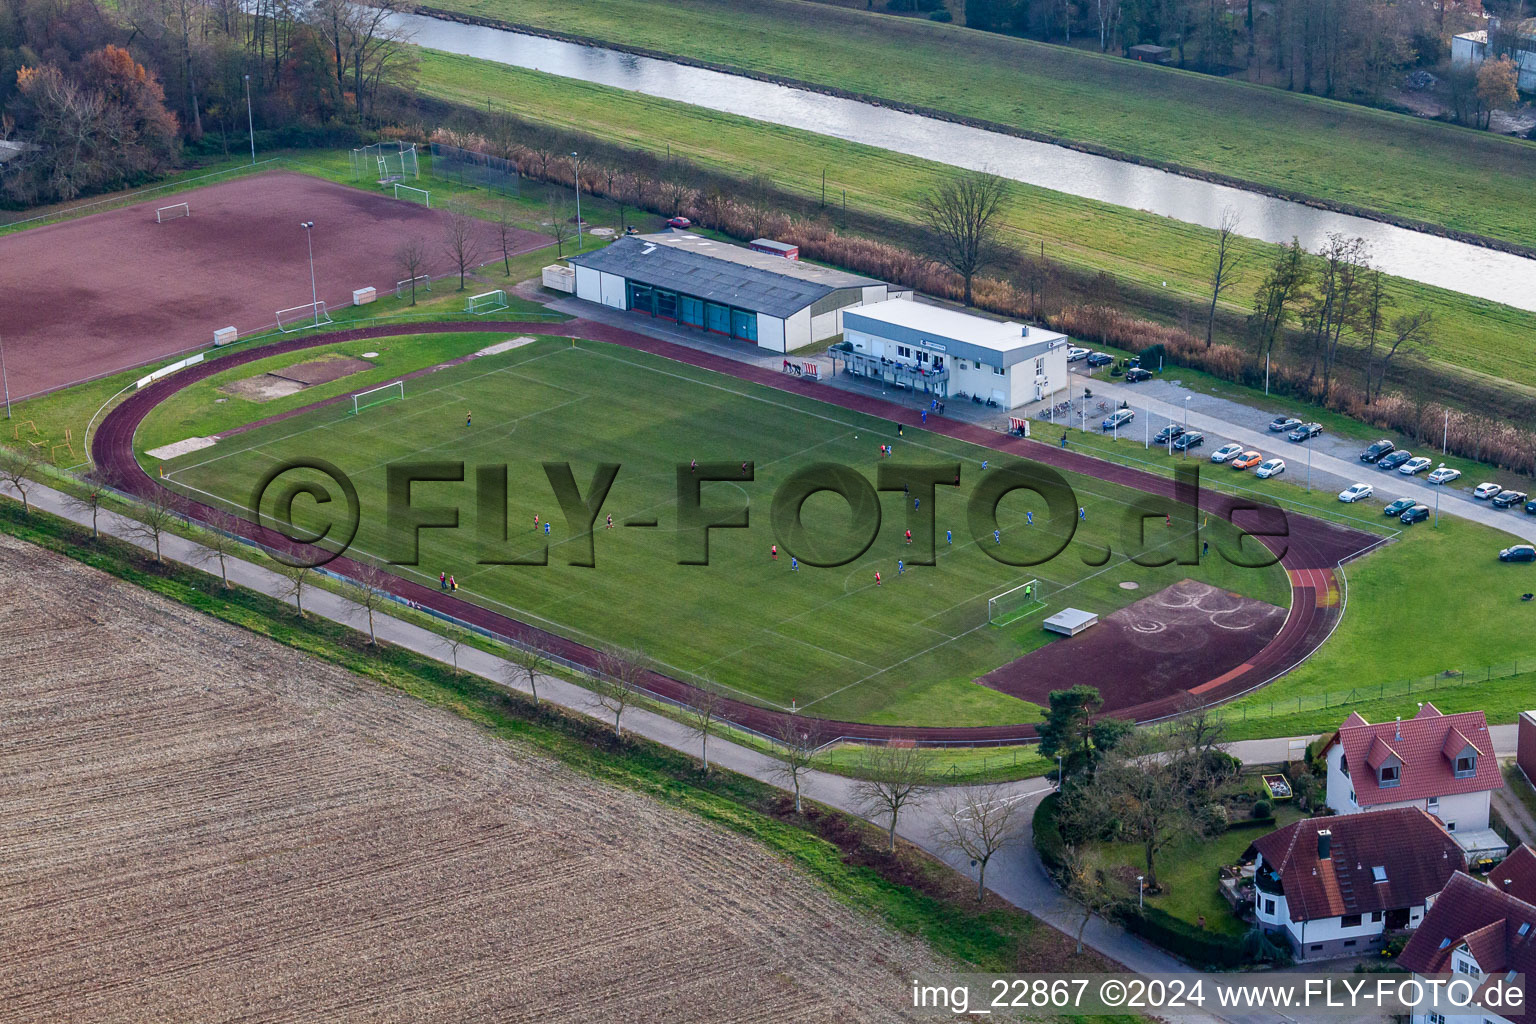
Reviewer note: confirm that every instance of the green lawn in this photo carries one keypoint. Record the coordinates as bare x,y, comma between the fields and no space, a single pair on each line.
828,639
1406,166
1482,341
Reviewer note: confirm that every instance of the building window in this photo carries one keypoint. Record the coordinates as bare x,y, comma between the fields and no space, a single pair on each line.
997,370
1316,947
1465,967
1466,767
1391,775
1040,365
1434,805
1348,943
1450,826
1269,906
1375,917
1436,1018
1350,921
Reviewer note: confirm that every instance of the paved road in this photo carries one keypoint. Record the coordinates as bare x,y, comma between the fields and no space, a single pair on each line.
1016,875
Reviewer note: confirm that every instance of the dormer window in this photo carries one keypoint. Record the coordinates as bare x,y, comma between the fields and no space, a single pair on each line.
1391,775
1466,766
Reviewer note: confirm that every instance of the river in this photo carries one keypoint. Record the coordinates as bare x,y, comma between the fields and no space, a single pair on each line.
1416,255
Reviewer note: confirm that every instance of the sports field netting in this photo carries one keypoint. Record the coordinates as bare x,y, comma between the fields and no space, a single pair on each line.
828,639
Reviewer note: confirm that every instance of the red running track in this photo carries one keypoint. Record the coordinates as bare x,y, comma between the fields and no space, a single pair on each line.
1310,552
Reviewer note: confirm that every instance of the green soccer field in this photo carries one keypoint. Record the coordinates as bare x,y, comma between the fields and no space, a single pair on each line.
828,639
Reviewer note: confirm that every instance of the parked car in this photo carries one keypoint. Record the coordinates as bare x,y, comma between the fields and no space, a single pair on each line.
1444,475
1167,434
1530,508
1354,492
1518,553
1247,460
1398,507
1417,514
1075,354
1269,468
1484,491
1392,460
1282,424
1192,439
1418,464
1305,432
679,222
1226,452
1377,450
1117,419
1508,499
1135,375
1100,359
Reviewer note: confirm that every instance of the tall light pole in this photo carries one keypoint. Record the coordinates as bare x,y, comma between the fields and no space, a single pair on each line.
4,380
576,173
1141,891
250,121
314,295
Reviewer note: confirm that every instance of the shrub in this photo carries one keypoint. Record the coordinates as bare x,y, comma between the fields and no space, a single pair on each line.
1263,809
1200,948
1048,841
943,16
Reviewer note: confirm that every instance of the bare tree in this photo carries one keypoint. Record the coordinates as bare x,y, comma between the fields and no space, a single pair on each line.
894,775
559,223
961,216
1199,728
506,236
799,749
617,682
89,501
1224,264
295,579
701,716
363,40
219,543
16,468
370,590
410,258
454,638
461,242
977,822
1408,331
1089,887
1147,795
526,663
154,516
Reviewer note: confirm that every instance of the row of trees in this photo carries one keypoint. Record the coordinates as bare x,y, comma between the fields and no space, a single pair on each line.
103,96
1347,48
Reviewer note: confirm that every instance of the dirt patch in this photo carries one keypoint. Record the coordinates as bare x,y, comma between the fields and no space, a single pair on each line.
203,825
264,387
235,261
1180,638
323,370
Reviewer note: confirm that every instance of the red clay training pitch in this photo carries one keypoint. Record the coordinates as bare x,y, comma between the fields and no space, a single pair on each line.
115,290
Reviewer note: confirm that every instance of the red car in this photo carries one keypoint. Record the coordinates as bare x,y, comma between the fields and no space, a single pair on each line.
679,222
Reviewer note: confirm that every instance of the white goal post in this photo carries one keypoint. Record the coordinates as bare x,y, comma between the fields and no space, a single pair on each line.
421,281
1015,603
393,391
486,302
172,212
298,318
413,194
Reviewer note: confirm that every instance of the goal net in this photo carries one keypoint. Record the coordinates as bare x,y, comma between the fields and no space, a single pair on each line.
422,283
172,212
1015,603
412,194
393,391
486,302
297,318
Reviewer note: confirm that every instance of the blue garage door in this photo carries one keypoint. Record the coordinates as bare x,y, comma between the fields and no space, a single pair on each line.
690,310
717,317
744,325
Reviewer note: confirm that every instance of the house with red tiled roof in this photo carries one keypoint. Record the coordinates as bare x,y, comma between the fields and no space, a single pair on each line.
1516,874
1335,886
1443,764
1475,932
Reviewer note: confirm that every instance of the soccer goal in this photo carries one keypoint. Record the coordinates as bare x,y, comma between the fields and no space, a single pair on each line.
172,212
297,318
412,194
421,282
393,391
1015,603
486,302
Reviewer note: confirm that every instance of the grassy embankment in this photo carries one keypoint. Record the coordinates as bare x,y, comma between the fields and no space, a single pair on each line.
1481,342
1404,166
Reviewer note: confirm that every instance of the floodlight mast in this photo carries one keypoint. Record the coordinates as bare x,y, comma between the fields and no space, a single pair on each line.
314,296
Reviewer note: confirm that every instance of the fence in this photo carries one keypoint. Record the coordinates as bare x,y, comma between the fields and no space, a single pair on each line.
468,167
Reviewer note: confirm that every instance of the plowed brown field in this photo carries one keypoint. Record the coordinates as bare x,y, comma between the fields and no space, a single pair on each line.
202,825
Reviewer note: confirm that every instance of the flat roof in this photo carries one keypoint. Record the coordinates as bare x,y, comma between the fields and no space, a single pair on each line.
953,325
720,272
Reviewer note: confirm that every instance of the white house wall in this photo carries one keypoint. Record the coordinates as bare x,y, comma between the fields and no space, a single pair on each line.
770,333
589,284
613,291
797,330
1467,811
